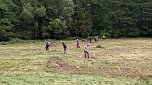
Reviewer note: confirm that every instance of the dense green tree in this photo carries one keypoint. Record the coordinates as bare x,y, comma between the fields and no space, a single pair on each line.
8,19
39,19
81,23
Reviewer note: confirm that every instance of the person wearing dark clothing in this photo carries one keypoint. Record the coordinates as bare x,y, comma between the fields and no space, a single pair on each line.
64,47
47,45
78,43
95,39
90,39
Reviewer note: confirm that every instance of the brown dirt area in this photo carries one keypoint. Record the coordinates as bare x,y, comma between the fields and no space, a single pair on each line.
60,65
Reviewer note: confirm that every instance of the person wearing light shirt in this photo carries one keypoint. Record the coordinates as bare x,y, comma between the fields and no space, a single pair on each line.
78,46
86,51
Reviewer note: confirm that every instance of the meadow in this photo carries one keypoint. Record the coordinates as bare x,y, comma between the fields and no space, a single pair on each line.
112,62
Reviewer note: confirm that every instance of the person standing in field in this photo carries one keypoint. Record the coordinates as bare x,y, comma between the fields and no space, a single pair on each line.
78,46
96,38
90,39
64,47
103,37
47,45
86,51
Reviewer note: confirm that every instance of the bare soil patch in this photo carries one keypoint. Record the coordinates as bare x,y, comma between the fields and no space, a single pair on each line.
61,65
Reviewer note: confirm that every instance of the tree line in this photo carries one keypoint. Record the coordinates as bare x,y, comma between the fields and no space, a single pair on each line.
59,19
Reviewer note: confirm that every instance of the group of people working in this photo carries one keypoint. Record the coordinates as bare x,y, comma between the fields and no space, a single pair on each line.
86,48
92,37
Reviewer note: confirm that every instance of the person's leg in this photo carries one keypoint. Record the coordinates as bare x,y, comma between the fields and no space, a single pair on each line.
46,48
64,50
88,54
84,54
77,45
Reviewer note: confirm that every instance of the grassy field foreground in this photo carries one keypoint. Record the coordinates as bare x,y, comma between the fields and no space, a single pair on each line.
116,62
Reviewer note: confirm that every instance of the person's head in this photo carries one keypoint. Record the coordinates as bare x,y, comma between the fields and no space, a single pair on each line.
87,45
62,42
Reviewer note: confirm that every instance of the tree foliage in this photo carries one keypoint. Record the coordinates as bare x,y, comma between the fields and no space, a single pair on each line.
39,19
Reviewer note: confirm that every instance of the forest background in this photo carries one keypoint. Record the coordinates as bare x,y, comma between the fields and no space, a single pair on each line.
61,19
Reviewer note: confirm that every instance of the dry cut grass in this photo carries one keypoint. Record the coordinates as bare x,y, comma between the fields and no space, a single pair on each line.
129,59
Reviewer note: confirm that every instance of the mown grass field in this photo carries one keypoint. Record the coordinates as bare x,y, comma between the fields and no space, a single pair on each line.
117,62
